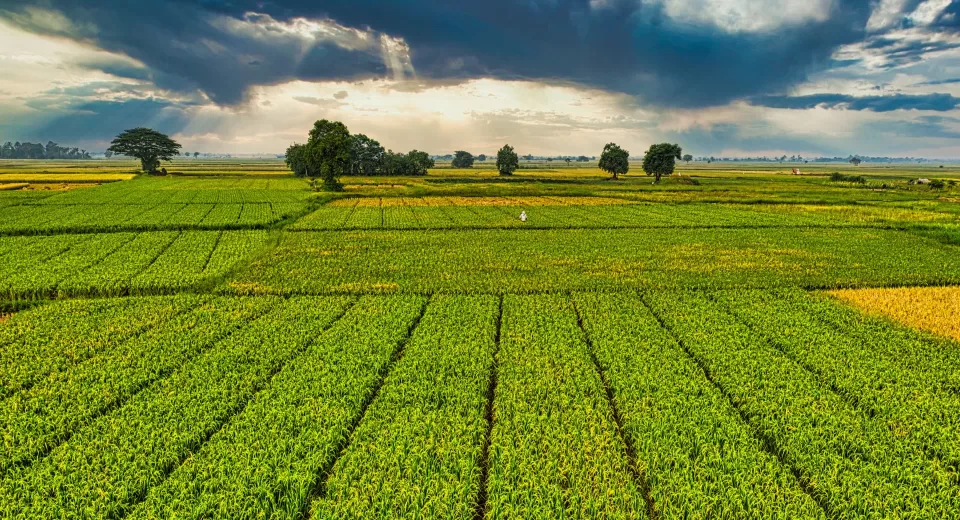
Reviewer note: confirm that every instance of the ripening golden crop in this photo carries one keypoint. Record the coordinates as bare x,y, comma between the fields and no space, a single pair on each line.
934,309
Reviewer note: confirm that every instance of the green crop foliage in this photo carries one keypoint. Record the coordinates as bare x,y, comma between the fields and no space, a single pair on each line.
228,343
53,338
270,457
894,373
555,450
37,420
690,442
505,261
110,464
114,264
427,423
852,464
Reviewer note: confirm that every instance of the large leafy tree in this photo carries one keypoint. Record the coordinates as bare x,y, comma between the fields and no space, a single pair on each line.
145,144
462,159
329,153
661,159
615,160
507,160
419,162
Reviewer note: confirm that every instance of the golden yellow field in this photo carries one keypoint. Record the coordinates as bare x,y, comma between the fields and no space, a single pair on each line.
13,186
934,309
64,177
478,201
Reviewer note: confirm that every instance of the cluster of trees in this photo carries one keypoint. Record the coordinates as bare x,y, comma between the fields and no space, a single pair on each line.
52,150
331,151
660,160
462,159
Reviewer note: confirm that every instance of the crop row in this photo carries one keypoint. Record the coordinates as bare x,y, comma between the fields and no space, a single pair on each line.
37,219
555,450
43,341
119,263
851,463
404,213
697,455
907,381
38,419
178,190
430,416
355,215
503,261
680,404
107,467
270,458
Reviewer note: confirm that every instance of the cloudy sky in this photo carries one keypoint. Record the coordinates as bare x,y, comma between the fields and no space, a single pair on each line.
720,77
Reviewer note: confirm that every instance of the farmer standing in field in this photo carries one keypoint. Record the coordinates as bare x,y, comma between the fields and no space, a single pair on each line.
523,216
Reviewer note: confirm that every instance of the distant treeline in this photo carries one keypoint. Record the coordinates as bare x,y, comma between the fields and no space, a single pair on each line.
853,159
52,150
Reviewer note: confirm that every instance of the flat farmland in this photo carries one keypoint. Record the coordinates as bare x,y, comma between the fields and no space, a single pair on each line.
229,343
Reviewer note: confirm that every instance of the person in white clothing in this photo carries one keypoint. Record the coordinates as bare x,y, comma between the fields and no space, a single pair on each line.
523,216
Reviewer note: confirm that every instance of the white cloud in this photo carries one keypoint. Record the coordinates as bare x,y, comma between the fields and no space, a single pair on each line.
927,12
886,14
748,15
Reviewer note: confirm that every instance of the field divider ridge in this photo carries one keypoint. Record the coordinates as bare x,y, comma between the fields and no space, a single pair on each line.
769,445
6,393
319,489
142,495
482,507
133,391
639,477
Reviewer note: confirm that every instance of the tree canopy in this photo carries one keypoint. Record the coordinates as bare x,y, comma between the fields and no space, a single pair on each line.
661,159
462,159
687,158
145,144
367,155
331,151
615,160
507,160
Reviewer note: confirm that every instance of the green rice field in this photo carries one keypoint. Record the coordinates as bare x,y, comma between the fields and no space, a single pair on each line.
227,342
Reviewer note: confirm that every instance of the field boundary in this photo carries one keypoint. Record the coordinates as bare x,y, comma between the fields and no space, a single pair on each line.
320,486
268,381
638,476
482,507
768,444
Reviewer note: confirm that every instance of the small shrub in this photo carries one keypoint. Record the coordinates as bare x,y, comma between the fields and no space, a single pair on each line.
840,177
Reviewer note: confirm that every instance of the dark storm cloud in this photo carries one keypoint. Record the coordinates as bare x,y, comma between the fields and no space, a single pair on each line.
185,47
102,120
625,46
934,102
950,81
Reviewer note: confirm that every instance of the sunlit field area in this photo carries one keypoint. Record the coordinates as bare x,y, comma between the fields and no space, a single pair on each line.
226,341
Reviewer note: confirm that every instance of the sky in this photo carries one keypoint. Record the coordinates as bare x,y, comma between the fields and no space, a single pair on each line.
550,77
